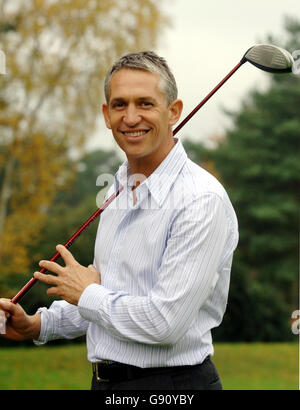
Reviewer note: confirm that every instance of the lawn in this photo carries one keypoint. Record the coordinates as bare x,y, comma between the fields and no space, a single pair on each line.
255,366
258,366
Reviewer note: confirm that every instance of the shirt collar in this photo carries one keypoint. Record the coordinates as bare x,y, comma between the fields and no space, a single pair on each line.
159,183
122,177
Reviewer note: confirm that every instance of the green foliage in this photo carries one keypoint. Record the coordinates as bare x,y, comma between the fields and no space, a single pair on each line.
69,211
57,55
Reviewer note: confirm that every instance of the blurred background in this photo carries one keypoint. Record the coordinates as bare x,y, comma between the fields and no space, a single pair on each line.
53,145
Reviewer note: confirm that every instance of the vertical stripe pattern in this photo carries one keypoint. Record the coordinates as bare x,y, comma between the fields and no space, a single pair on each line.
165,266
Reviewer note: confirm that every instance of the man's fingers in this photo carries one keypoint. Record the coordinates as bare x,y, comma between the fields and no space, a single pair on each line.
92,268
66,254
55,267
52,292
7,305
51,266
48,279
3,302
97,274
9,308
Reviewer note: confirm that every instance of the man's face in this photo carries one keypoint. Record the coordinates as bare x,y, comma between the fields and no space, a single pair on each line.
139,117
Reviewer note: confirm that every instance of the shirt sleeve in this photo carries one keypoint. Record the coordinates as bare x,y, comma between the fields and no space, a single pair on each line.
61,321
194,253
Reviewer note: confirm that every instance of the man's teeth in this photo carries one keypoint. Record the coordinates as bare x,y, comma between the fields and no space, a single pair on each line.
135,134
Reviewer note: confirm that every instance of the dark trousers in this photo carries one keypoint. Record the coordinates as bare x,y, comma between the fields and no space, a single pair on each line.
199,377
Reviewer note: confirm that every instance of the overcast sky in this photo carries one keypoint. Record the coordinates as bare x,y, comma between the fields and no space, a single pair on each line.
206,40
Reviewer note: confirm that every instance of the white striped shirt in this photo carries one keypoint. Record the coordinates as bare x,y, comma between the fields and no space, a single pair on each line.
165,266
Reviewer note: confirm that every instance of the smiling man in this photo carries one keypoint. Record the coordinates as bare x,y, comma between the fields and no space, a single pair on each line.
141,118
163,252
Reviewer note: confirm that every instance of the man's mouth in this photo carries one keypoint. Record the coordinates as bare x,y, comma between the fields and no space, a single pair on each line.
134,133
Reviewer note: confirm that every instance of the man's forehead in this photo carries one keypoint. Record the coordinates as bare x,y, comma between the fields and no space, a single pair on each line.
127,79
128,75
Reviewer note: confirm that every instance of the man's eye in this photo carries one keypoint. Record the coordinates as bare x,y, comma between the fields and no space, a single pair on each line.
118,105
146,104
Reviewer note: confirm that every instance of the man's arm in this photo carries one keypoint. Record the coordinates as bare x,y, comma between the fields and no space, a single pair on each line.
61,321
194,254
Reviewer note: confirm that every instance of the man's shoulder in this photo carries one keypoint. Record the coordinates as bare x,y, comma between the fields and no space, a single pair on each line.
198,188
198,181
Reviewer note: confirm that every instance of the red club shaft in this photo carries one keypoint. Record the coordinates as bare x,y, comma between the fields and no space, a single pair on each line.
188,117
70,241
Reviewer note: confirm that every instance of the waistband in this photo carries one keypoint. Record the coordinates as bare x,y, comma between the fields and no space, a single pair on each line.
108,371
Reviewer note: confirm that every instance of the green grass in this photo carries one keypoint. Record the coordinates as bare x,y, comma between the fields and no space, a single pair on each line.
253,366
45,368
258,366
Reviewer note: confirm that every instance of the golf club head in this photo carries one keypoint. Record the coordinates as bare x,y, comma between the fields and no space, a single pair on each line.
269,58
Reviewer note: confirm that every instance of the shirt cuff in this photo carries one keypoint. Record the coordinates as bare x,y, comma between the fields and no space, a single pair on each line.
92,303
44,335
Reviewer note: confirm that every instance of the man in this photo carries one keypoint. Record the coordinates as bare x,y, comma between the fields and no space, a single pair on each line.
163,252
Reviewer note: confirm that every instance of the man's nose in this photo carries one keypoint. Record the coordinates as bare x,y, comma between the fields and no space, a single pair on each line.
132,116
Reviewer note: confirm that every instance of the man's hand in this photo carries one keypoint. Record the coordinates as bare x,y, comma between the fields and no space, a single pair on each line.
71,280
19,325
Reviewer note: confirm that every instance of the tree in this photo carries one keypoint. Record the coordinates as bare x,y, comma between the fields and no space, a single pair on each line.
65,215
72,207
57,53
258,162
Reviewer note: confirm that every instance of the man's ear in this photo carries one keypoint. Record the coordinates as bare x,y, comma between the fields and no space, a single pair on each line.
175,110
106,115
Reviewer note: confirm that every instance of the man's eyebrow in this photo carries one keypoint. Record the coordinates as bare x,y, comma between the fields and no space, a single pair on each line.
116,100
146,99
139,99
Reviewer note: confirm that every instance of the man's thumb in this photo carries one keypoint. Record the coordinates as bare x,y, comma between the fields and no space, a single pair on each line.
8,306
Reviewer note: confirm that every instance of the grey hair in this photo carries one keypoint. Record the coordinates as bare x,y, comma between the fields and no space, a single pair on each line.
148,61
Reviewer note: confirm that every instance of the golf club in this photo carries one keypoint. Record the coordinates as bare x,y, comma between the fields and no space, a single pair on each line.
67,245
266,57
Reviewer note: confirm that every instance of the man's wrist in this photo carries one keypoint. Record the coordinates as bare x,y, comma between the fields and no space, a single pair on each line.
34,328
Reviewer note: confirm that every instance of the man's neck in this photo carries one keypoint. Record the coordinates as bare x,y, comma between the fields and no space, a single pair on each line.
142,168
